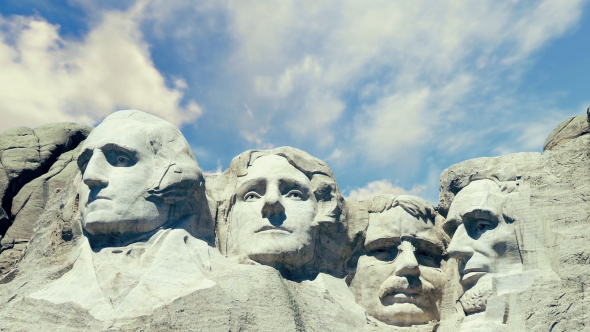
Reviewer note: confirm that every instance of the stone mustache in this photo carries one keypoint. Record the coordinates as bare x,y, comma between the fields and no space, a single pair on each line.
149,238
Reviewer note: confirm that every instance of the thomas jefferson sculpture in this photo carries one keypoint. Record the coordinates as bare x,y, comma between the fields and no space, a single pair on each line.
278,199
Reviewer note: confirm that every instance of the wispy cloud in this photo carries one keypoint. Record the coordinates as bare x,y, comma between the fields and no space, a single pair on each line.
413,65
46,78
217,170
383,187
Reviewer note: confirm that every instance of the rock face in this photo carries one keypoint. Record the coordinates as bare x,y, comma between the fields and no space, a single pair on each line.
538,206
122,232
34,163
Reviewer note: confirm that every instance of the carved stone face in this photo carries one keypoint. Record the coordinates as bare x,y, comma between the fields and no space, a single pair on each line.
400,276
271,218
117,166
484,243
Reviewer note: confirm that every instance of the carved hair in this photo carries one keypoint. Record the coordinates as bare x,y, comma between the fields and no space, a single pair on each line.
413,205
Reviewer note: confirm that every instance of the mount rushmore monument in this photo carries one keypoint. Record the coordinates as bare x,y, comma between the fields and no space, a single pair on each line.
116,228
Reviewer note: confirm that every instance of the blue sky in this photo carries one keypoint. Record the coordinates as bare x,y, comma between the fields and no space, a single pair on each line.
388,93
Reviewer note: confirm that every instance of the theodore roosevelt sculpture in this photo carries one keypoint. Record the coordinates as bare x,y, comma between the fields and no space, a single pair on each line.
276,202
399,278
141,202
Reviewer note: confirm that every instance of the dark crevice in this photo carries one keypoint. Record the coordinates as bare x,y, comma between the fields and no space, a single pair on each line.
26,176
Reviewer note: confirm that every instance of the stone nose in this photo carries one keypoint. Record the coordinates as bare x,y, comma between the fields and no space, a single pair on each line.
273,208
460,247
96,173
406,263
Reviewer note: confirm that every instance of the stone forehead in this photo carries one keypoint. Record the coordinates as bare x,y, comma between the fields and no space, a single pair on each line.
138,128
135,121
484,194
272,166
396,222
125,133
137,116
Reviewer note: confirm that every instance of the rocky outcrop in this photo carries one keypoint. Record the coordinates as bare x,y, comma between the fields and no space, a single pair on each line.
506,249
552,217
569,129
34,163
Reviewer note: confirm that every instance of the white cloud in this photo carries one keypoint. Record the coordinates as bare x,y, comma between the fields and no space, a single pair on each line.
383,81
383,187
46,78
549,19
413,63
218,169
256,138
533,134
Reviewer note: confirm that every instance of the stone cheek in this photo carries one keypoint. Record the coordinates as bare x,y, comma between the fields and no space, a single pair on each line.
512,254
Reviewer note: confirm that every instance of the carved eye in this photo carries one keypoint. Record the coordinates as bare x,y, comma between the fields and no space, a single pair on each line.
426,259
118,158
385,254
295,194
83,160
122,160
483,225
251,196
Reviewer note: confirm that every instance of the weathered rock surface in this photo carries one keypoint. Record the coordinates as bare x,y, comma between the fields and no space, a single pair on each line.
507,249
244,297
571,128
552,227
35,163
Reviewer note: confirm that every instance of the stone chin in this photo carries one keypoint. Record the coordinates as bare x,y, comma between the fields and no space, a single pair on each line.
104,222
279,247
401,314
475,299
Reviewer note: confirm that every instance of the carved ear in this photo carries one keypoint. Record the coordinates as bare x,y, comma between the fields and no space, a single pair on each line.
175,184
328,199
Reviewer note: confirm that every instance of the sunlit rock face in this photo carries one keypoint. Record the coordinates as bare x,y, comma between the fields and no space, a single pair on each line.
137,174
282,208
34,163
519,226
273,212
485,242
119,230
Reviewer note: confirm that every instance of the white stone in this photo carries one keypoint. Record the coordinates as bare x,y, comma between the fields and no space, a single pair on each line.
399,279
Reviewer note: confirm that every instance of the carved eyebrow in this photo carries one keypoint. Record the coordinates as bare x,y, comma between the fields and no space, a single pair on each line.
481,213
125,149
382,243
86,154
428,245
258,183
294,184
422,244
